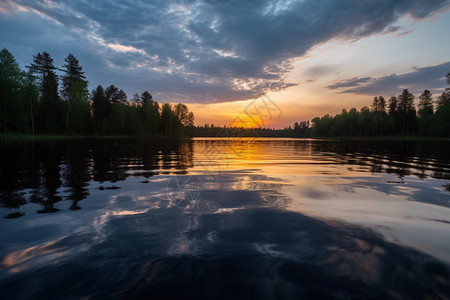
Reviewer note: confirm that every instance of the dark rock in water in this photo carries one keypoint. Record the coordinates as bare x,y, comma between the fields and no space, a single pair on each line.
113,187
14,215
47,210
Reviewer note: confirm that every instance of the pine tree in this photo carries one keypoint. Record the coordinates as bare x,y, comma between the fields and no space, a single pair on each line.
121,97
31,95
74,84
146,97
44,71
381,104
374,105
150,114
167,120
392,105
111,94
136,99
407,111
426,102
10,84
425,118
441,124
73,73
102,108
443,100
406,102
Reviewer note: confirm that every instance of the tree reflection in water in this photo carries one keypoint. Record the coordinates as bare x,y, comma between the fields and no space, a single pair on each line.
48,172
245,234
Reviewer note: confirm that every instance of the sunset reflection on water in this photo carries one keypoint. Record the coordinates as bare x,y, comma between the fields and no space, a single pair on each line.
347,211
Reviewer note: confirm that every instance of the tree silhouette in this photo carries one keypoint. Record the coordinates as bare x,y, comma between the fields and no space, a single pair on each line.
73,73
392,105
407,111
122,97
12,111
31,95
112,94
374,105
149,114
146,97
425,118
22,95
74,88
406,102
29,99
378,104
167,120
101,109
443,100
426,102
136,99
381,104
44,70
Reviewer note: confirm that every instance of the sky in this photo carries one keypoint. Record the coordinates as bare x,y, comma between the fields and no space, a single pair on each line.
305,58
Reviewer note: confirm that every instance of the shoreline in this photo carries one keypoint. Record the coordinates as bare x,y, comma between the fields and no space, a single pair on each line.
5,138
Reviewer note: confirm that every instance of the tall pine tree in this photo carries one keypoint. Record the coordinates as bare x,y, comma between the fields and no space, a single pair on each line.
426,102
102,109
12,114
74,91
44,71
407,112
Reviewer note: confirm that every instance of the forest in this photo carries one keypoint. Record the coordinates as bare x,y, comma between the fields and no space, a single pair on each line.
41,101
399,116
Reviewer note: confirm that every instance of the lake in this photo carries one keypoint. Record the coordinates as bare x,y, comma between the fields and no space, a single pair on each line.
243,218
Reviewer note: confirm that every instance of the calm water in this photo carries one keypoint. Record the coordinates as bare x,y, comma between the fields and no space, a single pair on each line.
213,218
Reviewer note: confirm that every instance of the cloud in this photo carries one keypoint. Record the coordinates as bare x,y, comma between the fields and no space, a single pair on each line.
431,78
349,83
198,51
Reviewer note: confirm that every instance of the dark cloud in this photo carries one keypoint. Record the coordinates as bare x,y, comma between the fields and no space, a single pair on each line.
431,78
349,83
202,51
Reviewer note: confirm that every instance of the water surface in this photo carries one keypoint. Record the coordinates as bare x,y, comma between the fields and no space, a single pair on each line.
242,218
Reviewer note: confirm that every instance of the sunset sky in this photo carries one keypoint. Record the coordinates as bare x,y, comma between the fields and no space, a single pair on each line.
308,57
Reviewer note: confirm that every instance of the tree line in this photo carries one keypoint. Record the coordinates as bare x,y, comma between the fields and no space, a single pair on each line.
39,101
211,130
397,116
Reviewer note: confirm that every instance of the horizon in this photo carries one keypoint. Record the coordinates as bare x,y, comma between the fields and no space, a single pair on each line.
218,63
